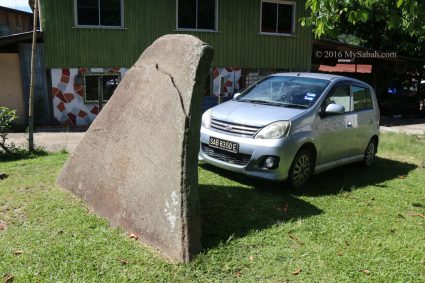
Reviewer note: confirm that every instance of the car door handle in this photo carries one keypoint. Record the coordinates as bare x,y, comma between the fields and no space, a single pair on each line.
349,124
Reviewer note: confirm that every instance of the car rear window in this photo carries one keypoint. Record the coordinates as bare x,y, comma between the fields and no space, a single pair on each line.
362,98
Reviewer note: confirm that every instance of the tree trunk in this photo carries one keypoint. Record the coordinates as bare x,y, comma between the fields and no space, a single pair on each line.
32,81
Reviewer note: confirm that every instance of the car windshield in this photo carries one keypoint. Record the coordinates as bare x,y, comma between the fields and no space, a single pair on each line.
286,91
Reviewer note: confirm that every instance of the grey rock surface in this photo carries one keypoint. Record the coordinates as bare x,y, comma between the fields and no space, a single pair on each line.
137,163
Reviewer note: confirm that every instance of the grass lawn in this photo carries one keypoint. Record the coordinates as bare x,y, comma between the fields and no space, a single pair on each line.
348,225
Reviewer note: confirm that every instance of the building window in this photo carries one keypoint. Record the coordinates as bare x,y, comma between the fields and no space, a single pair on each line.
99,87
197,14
277,17
106,13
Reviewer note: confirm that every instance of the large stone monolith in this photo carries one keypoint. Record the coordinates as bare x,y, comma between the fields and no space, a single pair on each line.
137,163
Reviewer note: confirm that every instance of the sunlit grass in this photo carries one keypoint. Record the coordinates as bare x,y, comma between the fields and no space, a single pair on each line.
349,225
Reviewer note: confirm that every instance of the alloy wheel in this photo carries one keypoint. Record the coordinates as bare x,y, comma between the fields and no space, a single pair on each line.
370,154
301,171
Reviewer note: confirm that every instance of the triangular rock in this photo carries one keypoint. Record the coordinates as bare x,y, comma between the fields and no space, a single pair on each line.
137,163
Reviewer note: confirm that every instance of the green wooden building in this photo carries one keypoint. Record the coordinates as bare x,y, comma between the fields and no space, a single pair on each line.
90,44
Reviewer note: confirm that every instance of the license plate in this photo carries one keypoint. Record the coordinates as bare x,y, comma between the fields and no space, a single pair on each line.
225,145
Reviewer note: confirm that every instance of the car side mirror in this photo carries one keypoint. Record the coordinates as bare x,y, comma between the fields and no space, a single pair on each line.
236,95
333,109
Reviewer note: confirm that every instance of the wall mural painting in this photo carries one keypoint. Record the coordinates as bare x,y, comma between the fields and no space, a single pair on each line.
68,95
232,77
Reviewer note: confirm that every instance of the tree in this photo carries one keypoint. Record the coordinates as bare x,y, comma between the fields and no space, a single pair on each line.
387,25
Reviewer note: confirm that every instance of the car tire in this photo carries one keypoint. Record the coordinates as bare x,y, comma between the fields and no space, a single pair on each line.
302,169
370,153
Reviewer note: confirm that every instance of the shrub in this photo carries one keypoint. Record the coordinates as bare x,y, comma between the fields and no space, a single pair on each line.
7,116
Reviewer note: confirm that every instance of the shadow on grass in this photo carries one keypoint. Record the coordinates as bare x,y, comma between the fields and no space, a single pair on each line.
334,181
354,176
20,153
234,211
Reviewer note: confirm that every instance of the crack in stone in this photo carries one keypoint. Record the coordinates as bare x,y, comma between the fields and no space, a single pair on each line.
175,86
184,193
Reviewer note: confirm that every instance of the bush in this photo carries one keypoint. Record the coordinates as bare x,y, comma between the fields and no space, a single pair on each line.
7,116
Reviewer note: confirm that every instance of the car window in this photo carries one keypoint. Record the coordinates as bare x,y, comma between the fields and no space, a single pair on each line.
285,91
340,95
362,98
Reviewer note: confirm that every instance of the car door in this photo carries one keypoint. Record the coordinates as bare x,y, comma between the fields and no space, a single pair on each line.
363,117
336,130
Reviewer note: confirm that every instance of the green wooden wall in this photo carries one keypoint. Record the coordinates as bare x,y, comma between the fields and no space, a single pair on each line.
237,42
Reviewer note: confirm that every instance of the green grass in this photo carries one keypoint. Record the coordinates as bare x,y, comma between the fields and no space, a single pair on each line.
349,225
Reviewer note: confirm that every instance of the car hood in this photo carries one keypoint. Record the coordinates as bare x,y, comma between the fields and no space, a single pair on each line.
253,114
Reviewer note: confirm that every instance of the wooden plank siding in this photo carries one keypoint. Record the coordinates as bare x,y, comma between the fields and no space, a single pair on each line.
237,43
13,21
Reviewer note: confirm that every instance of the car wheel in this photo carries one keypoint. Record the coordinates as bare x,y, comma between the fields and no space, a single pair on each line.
301,169
369,154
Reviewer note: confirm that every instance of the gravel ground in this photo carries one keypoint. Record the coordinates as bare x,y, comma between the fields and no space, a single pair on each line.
50,141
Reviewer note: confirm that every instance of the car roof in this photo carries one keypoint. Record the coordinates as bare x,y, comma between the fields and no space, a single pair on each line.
329,77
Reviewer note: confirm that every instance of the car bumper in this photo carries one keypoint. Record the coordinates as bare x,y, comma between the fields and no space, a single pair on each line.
252,153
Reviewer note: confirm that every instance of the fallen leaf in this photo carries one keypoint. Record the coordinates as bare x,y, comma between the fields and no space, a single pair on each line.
237,274
296,239
2,226
296,272
365,271
402,176
8,278
134,236
123,261
251,258
340,253
18,252
418,214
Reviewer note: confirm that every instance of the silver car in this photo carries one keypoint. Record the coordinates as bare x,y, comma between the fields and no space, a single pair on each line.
289,126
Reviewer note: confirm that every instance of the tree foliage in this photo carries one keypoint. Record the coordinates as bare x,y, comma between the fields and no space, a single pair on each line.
391,25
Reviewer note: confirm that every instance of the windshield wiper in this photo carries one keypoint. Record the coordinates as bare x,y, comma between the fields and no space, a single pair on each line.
294,105
261,102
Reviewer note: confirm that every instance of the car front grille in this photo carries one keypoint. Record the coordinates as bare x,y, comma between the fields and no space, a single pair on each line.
233,128
240,159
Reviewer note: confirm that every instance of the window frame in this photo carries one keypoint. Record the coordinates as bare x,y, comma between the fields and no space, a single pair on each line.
294,15
196,23
97,75
121,26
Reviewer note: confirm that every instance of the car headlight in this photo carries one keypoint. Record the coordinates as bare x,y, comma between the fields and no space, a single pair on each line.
206,119
274,130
